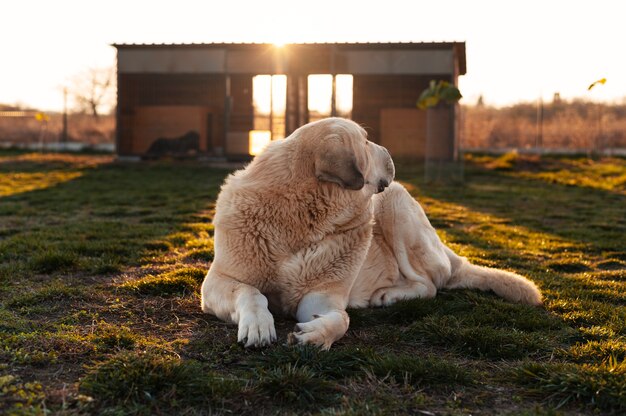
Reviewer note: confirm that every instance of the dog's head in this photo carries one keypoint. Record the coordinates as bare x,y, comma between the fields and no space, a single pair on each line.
344,156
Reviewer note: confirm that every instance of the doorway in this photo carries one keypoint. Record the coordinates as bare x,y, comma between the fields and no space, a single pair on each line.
329,96
269,100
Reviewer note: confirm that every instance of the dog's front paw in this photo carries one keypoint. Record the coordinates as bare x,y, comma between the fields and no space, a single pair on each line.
256,328
313,333
321,331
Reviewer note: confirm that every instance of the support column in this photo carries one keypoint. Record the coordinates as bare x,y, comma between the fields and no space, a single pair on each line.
297,113
291,111
303,99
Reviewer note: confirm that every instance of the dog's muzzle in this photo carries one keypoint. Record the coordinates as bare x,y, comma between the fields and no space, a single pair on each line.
382,184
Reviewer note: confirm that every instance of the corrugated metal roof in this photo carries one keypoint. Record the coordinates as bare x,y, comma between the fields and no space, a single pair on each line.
221,44
459,47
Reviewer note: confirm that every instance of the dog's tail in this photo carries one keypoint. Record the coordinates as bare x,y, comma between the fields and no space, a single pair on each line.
508,285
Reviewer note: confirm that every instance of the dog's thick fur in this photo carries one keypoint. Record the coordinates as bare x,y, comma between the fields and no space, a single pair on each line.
306,230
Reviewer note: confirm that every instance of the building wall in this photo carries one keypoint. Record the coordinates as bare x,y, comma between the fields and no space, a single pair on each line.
398,62
216,80
403,132
373,93
144,90
241,110
171,121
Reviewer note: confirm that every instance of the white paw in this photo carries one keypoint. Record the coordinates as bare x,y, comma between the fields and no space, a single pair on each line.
313,333
321,331
256,328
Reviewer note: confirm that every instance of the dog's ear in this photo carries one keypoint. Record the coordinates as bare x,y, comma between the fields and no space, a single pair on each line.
335,162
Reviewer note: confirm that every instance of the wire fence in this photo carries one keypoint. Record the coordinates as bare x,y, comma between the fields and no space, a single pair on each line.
557,127
38,130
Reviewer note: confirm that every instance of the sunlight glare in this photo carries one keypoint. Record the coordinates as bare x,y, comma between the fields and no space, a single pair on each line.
320,94
258,140
269,90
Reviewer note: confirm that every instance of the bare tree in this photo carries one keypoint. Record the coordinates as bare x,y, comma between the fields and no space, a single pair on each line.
92,89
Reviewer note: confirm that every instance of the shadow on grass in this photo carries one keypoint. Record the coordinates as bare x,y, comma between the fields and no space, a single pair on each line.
65,244
109,217
591,216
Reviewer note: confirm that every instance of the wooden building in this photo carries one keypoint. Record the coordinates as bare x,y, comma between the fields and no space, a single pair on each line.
166,91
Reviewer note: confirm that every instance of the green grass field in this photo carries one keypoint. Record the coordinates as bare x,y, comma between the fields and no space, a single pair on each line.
100,267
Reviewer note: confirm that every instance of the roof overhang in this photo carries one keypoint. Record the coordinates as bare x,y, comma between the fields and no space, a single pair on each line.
394,58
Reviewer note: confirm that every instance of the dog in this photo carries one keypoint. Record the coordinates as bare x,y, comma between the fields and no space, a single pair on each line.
315,224
183,146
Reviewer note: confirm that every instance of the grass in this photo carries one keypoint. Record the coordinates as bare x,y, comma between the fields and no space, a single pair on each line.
297,387
602,386
177,282
101,265
147,383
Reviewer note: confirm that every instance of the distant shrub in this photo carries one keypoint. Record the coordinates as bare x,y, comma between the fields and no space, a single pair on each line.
580,125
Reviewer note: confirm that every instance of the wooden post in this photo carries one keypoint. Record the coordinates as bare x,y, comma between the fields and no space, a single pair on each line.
272,107
333,95
227,105
64,132
539,138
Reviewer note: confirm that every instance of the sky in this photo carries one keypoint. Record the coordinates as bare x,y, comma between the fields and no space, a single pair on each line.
516,50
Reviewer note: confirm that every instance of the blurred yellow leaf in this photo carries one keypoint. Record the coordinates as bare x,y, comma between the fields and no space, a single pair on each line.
428,102
438,91
42,117
600,81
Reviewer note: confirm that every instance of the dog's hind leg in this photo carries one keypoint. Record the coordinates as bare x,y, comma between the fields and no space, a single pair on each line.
239,303
404,233
322,319
404,236
416,287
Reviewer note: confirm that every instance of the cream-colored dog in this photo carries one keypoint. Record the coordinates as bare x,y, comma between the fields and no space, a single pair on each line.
306,230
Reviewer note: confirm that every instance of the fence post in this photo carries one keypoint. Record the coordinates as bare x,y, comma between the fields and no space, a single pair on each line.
539,137
64,133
